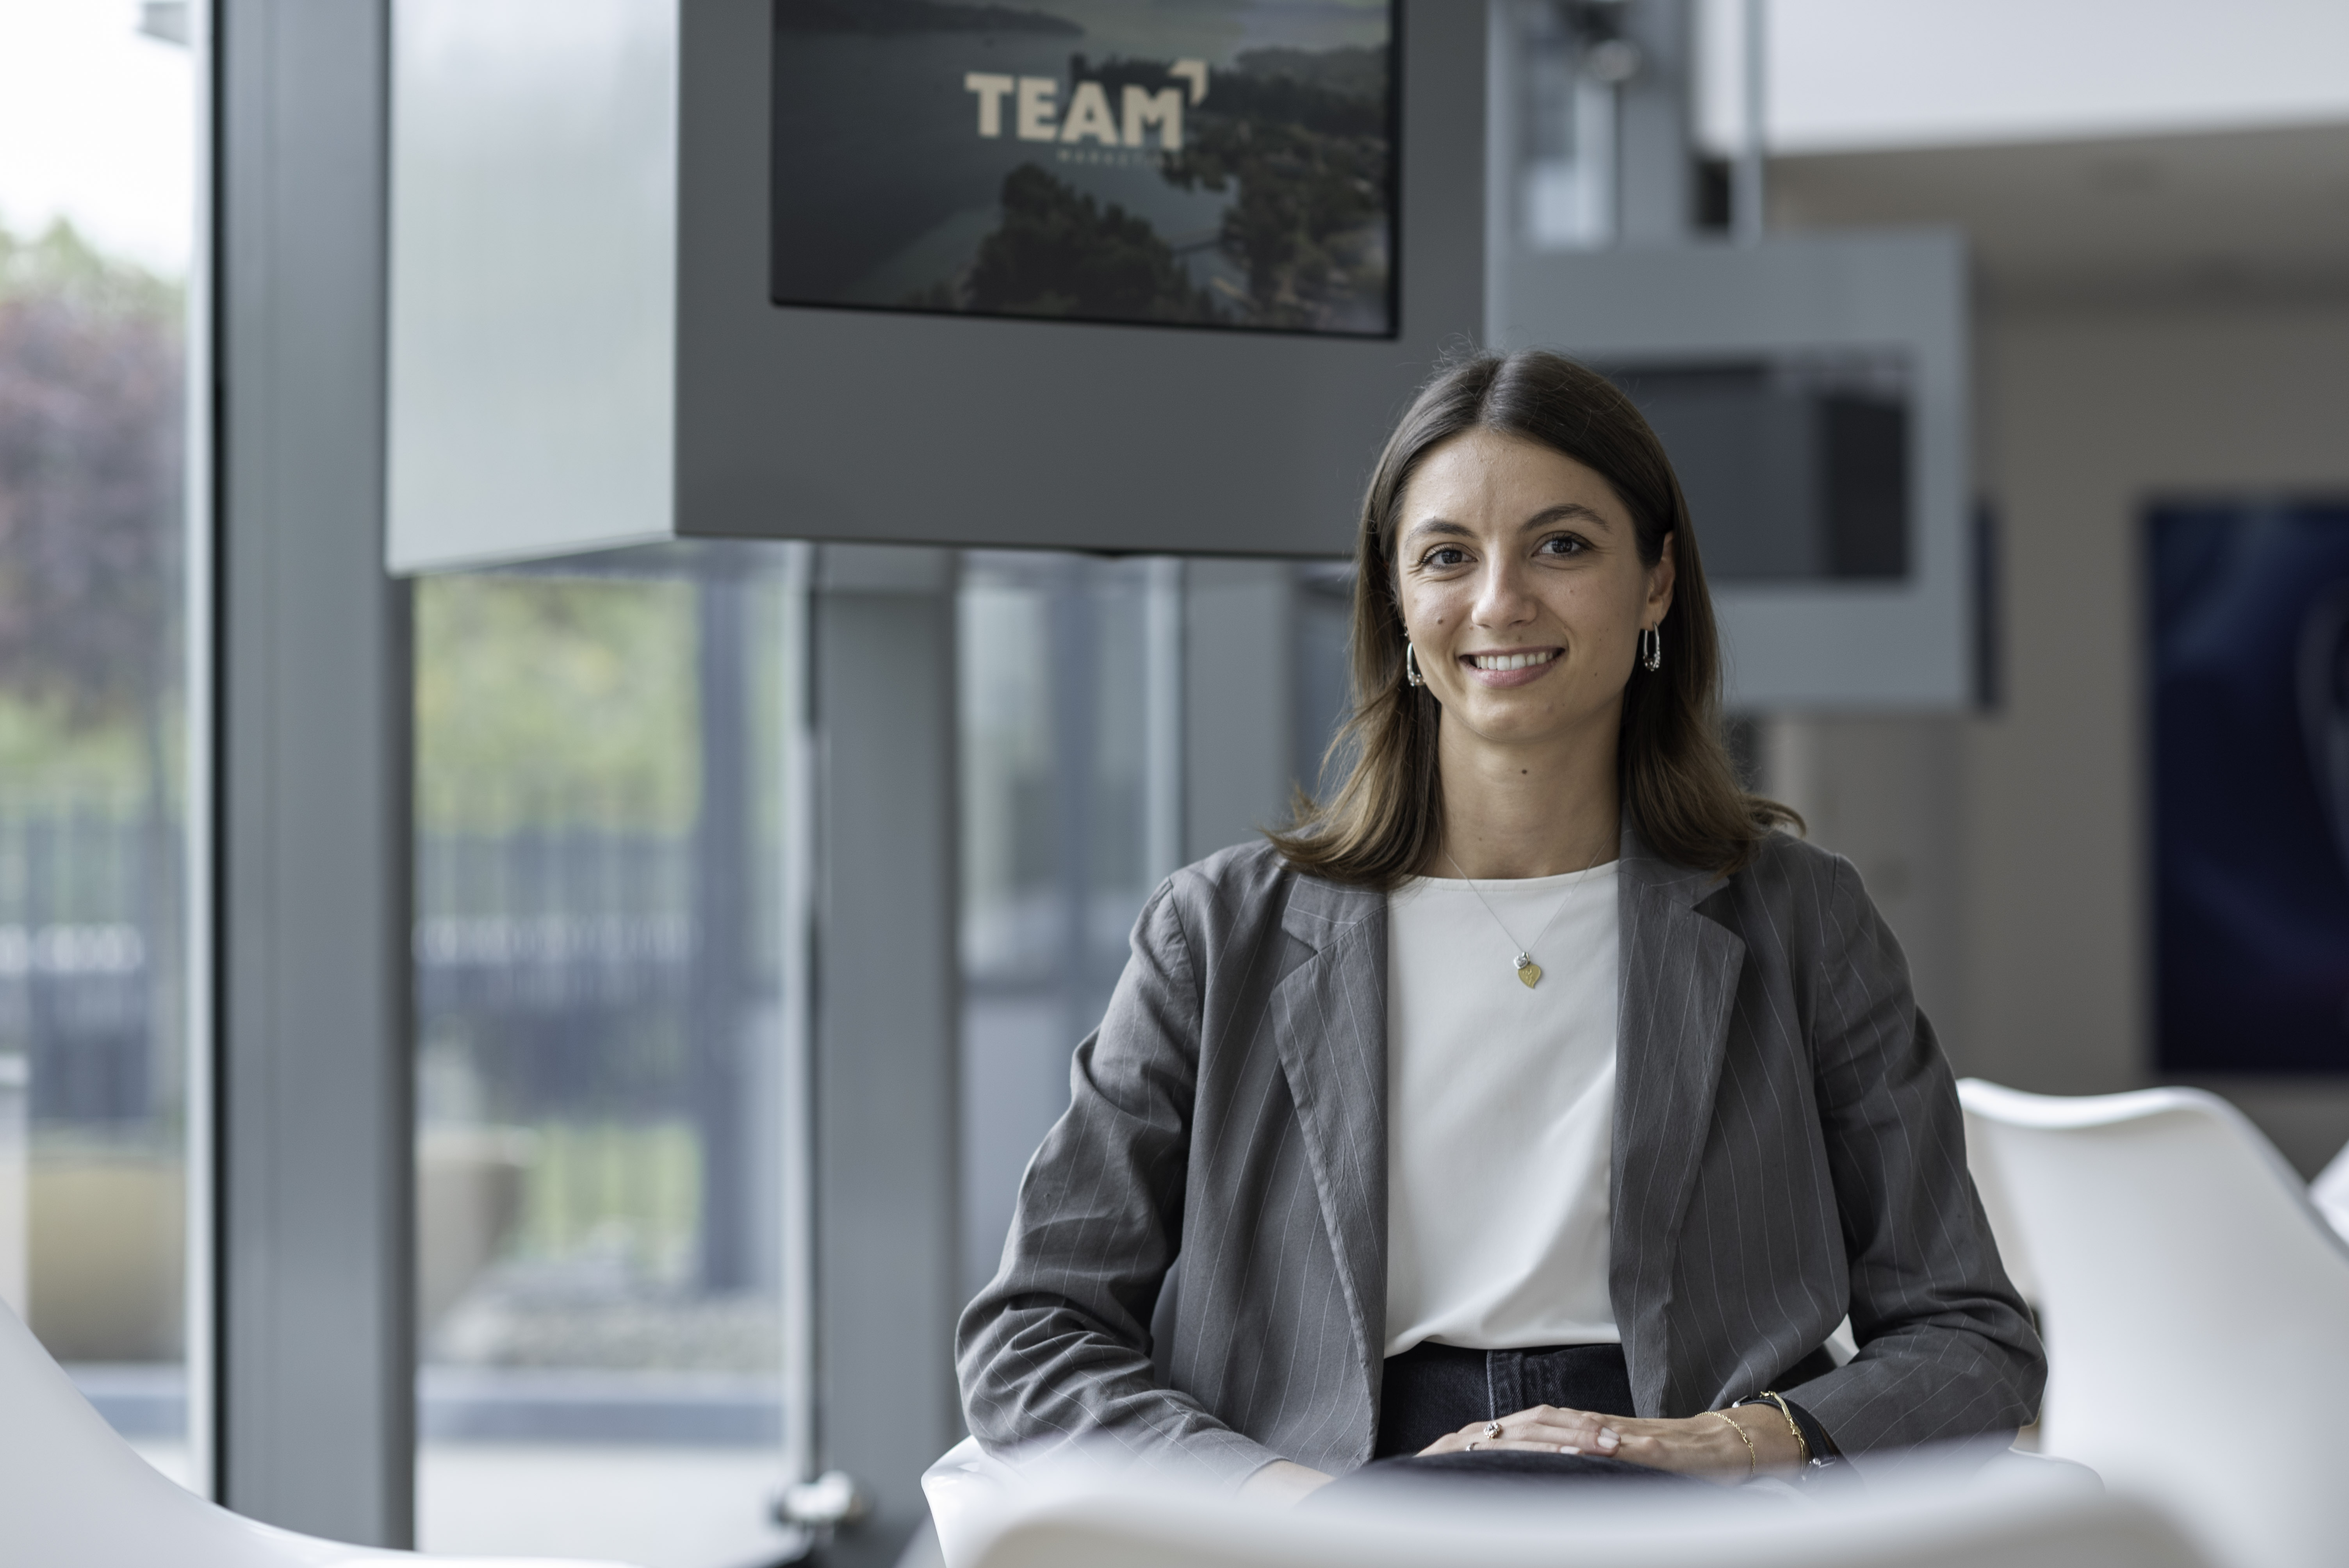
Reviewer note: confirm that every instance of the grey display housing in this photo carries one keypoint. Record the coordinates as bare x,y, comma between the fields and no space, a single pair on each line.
583,354
1804,459
1864,623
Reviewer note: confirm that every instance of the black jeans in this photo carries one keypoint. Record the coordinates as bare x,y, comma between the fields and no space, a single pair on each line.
1432,1390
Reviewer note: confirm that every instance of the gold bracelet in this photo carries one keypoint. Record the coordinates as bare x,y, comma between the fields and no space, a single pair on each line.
1740,1437
1794,1427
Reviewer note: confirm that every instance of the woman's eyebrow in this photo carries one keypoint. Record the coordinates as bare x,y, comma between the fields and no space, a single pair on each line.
1561,512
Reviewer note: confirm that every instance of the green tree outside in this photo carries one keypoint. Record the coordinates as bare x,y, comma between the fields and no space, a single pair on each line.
529,687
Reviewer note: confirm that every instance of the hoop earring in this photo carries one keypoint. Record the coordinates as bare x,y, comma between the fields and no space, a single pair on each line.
1651,647
1411,674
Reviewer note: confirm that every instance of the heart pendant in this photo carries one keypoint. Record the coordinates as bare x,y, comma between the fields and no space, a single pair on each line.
1529,971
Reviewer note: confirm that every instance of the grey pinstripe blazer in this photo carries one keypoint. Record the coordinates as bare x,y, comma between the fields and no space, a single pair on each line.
1196,1273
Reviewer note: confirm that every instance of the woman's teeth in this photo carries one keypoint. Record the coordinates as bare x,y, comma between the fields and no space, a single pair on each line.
1512,661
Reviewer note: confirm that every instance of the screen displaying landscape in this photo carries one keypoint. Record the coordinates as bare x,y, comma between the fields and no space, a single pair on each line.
1213,163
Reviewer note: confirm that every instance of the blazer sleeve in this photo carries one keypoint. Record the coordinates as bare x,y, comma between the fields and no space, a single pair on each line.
1947,1349
1055,1351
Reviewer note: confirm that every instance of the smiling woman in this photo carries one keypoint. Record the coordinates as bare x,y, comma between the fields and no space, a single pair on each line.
1600,1221
1523,509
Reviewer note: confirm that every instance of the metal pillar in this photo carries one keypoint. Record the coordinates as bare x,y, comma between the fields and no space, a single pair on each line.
314,1331
885,1097
722,868
1655,171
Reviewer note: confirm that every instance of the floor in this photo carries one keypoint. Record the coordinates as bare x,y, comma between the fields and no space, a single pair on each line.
655,1507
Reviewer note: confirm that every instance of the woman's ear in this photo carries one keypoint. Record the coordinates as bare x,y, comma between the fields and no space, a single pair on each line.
1660,578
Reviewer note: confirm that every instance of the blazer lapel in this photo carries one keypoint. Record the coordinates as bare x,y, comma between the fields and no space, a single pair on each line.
1328,1019
1680,973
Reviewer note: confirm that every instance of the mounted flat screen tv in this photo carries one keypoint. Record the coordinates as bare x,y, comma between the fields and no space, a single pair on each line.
811,269
1207,163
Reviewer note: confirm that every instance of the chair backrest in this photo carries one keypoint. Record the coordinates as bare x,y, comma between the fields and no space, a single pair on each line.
2330,1192
73,1494
2196,1308
2042,1522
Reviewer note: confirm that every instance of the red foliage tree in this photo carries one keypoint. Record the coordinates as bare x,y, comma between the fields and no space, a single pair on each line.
91,439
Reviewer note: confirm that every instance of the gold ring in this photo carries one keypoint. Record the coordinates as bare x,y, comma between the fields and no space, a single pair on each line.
1492,1429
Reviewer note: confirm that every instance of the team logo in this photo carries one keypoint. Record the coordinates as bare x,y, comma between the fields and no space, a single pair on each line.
1036,114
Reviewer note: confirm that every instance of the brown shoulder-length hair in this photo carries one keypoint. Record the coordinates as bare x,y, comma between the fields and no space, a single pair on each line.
1384,819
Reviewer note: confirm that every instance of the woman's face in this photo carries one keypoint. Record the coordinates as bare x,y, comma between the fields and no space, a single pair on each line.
1522,589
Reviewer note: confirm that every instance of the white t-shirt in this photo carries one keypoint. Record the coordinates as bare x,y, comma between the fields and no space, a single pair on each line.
1500,1113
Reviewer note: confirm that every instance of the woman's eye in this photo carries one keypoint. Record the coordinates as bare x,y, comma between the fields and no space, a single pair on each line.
1446,556
1564,544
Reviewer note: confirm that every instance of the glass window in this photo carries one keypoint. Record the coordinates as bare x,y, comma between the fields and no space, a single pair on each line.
605,756
97,157
599,874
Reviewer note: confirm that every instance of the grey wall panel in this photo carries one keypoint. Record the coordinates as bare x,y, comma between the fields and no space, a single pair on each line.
886,1020
861,424
315,1338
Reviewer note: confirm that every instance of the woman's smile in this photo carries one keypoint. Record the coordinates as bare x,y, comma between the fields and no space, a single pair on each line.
1513,667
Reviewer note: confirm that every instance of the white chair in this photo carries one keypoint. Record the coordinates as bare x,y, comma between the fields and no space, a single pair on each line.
2330,1192
73,1494
2195,1304
1962,1516
965,1490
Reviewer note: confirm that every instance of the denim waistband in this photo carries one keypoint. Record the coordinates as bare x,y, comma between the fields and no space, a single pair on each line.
1432,1390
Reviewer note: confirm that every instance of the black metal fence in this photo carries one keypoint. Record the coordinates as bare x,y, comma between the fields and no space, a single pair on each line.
88,970
560,961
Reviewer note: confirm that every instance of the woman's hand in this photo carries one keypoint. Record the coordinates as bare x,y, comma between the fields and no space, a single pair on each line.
1701,1446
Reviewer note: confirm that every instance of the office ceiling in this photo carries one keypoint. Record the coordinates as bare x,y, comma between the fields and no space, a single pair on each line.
2232,214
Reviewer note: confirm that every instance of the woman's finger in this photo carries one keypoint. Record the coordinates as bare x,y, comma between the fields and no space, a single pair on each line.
1583,1427
1454,1443
1540,1429
1522,1431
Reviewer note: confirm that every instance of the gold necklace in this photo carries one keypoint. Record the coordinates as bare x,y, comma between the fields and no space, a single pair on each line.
1529,974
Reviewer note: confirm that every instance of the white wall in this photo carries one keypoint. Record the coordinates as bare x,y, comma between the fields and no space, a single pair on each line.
1887,793
1851,73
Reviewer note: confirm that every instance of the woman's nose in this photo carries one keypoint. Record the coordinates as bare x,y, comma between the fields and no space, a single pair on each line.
1502,596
